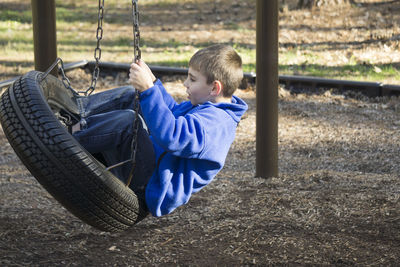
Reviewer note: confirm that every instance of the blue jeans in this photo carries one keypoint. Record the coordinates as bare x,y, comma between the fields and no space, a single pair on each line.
107,131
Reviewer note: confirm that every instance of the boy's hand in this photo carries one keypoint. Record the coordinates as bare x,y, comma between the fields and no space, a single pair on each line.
144,66
140,77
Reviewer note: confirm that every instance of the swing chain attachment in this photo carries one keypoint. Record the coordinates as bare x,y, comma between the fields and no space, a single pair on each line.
65,80
97,56
97,50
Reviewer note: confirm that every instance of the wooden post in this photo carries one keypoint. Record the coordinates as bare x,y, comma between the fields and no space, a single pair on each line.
44,34
267,89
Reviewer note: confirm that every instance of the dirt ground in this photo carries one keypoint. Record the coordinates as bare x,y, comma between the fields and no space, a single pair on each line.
335,202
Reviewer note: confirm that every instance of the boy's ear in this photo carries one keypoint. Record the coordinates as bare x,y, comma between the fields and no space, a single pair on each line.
217,88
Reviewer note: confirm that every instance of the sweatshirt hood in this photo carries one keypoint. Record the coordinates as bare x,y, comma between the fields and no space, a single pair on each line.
235,109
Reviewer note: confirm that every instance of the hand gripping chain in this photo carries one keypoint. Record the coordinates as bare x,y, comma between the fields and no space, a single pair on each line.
137,56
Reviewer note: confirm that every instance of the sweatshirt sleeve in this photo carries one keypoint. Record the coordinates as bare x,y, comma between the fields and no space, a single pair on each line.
168,99
182,136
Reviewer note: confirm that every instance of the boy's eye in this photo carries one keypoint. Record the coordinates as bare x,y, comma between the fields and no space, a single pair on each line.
192,79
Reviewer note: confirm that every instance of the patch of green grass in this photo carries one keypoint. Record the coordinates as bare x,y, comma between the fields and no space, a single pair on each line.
288,56
232,26
308,63
160,3
251,67
171,43
124,41
170,63
248,55
9,25
348,72
15,37
15,15
76,29
167,58
73,15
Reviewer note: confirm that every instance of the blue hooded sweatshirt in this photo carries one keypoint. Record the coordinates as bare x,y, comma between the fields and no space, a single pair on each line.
190,143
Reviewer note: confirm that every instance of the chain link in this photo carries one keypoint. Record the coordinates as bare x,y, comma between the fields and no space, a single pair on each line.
97,50
137,55
65,80
136,31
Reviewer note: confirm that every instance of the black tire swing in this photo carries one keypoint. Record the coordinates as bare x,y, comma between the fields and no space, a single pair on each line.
30,116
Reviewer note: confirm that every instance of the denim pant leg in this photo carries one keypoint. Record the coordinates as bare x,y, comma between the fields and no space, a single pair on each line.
110,133
115,99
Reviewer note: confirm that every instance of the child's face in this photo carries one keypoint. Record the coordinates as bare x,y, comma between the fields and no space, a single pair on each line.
199,91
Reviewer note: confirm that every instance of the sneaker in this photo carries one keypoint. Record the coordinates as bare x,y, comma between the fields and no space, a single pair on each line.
62,102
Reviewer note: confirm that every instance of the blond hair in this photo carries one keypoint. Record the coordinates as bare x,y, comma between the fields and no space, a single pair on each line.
219,62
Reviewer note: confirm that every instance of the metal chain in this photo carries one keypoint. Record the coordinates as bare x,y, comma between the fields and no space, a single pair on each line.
97,50
97,56
136,31
137,55
65,80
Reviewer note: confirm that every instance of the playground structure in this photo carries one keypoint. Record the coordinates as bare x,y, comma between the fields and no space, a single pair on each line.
44,27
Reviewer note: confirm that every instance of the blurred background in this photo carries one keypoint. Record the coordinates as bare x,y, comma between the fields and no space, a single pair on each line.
353,40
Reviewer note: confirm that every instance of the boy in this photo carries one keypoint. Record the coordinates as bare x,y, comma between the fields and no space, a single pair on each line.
181,146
